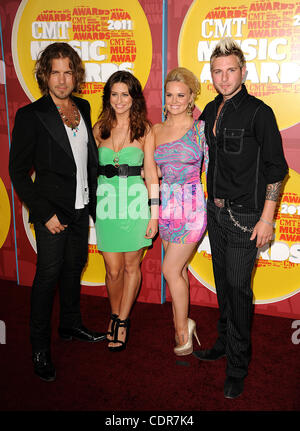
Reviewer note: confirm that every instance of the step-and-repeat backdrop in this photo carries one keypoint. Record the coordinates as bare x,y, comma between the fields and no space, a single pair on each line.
148,38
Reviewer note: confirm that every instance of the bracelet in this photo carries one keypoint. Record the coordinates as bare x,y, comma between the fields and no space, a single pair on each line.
267,222
153,201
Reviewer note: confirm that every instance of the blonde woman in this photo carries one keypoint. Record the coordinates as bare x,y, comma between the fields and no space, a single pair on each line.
180,152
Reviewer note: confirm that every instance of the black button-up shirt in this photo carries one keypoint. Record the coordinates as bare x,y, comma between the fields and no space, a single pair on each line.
246,154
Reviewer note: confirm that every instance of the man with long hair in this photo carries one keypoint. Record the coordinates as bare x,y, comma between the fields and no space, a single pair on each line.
245,173
54,137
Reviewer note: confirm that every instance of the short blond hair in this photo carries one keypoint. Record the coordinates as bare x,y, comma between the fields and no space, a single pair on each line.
226,47
181,74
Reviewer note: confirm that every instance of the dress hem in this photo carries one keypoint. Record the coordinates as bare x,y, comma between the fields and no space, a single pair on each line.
124,251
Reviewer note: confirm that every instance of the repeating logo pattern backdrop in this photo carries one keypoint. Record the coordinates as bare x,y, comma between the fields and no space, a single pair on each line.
7,245
277,265
268,33
113,35
5,213
109,36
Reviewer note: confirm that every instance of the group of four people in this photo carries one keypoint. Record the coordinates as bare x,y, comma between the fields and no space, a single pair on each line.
235,140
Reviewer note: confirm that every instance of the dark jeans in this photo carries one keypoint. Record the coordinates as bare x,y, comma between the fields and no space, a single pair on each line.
233,257
61,258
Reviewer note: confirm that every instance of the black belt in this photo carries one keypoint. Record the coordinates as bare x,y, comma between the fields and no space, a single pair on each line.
121,171
227,203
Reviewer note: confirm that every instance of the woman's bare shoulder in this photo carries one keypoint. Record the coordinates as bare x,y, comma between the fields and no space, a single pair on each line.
156,128
96,133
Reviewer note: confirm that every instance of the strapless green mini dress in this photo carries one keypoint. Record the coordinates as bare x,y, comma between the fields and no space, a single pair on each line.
122,205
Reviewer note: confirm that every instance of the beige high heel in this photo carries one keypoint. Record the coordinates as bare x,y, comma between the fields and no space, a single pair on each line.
187,348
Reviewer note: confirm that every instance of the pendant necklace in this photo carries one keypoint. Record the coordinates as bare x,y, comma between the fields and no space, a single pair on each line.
117,156
72,124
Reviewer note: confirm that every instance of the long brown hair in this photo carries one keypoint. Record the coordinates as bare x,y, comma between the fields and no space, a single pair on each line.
138,121
43,65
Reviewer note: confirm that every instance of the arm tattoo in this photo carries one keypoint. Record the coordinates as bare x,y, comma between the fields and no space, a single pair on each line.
273,191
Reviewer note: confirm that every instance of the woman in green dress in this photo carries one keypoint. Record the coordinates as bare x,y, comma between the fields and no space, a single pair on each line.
125,224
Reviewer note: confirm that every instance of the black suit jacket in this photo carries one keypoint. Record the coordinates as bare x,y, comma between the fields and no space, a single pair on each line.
40,142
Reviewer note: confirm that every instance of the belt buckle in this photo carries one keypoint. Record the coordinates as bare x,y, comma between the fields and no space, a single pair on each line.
123,171
219,202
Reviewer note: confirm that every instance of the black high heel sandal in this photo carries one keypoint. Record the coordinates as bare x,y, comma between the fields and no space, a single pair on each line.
120,324
113,318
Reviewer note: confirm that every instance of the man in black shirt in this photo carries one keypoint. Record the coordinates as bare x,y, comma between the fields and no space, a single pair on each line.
245,173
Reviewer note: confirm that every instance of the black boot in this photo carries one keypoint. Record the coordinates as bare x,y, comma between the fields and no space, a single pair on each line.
233,387
43,366
209,355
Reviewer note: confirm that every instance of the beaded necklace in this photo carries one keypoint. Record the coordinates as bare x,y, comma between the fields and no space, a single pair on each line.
72,122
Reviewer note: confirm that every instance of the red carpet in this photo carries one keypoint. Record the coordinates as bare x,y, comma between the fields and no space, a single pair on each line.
146,376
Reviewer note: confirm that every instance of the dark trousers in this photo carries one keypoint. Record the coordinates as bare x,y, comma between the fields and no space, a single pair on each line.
233,257
61,258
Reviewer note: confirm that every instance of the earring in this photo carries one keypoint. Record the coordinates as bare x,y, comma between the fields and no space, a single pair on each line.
165,112
190,108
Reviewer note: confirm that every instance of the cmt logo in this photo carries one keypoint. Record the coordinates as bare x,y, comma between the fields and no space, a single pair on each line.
2,332
296,334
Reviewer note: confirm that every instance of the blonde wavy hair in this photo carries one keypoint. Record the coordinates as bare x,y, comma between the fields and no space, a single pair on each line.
181,74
